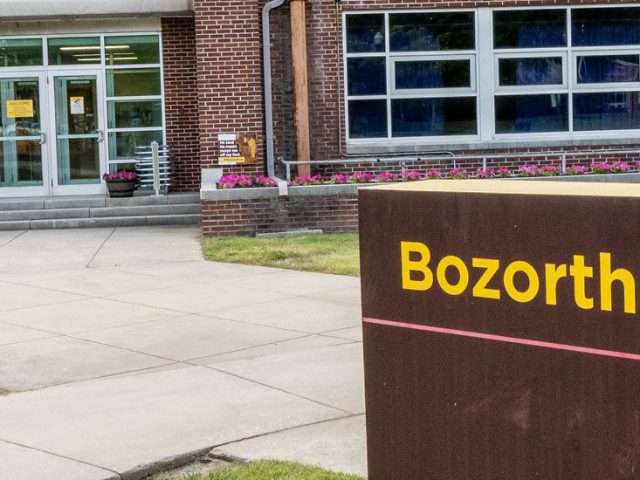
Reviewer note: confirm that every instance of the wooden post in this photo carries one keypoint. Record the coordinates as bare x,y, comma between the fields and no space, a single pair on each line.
300,84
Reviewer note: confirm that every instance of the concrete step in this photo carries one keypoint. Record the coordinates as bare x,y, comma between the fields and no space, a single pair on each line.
42,214
95,201
147,210
99,211
104,222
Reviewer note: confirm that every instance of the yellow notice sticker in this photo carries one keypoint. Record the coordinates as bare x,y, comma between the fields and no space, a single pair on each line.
231,160
19,108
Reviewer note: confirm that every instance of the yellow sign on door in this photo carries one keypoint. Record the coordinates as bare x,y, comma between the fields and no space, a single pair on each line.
19,108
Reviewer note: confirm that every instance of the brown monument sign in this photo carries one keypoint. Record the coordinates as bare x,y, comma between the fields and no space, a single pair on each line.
501,334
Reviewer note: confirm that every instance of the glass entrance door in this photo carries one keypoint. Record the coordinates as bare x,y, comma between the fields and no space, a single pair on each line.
23,167
79,133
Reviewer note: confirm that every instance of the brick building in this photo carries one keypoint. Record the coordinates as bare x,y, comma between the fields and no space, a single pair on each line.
82,83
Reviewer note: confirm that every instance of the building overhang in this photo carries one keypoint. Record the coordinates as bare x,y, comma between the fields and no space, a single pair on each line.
47,9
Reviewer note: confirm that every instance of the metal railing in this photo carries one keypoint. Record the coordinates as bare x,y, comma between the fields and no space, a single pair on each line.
563,156
154,167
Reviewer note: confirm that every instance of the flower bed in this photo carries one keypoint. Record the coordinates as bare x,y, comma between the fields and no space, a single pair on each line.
245,205
458,173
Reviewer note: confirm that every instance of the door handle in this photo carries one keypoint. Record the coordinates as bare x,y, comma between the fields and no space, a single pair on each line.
100,136
43,138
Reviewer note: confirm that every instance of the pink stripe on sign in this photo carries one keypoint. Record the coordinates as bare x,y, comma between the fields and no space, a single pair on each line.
500,338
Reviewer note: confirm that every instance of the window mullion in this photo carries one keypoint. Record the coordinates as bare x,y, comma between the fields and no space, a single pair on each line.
485,76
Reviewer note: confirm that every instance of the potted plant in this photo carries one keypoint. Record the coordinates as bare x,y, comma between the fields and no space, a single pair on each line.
120,184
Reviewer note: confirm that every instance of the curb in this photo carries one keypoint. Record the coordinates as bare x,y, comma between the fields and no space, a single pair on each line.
169,463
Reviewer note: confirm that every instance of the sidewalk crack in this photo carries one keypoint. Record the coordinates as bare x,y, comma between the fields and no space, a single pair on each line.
100,248
116,477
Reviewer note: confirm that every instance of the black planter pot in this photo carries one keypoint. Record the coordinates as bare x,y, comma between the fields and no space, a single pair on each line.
121,188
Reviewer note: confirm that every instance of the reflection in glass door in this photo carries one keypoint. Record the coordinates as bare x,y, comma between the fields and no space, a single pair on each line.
21,140
79,134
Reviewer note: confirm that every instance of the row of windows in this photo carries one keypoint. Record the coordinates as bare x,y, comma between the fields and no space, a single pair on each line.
133,80
426,74
438,31
116,50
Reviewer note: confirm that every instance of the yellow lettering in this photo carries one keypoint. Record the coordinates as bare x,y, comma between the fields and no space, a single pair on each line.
420,265
463,273
552,274
480,289
580,273
534,282
607,277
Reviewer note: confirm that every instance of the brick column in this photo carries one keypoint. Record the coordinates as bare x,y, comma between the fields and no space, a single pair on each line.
181,105
229,72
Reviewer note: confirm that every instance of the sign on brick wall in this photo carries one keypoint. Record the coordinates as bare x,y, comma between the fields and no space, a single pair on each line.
501,335
237,148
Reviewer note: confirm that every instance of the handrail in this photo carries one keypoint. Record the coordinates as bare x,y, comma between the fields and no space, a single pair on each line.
562,155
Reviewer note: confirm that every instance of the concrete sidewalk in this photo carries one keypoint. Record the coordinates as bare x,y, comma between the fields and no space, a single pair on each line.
121,348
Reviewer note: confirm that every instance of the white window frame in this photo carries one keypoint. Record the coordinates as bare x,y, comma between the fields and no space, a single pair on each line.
433,92
485,64
395,94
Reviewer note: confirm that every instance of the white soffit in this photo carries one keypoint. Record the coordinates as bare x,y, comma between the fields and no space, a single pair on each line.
34,9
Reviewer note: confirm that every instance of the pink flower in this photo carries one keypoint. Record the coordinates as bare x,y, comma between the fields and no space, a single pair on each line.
261,181
504,172
303,181
620,167
411,176
122,175
458,173
577,170
362,177
339,179
528,171
387,177
433,174
550,171
601,167
486,172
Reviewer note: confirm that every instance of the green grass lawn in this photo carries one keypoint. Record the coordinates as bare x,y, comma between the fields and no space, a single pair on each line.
327,253
271,470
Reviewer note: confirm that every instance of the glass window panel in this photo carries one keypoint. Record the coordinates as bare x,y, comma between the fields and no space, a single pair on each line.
367,76
25,90
130,50
421,117
530,71
411,32
133,83
74,51
433,74
122,145
135,114
606,111
20,163
21,53
365,33
531,113
605,26
367,118
607,68
529,28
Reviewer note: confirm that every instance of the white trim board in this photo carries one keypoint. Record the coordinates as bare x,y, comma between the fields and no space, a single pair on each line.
63,8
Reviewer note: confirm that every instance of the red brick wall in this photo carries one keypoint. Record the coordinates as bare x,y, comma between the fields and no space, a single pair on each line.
324,19
336,213
229,72
181,105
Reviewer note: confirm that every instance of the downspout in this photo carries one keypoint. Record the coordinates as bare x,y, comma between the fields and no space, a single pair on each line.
268,85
